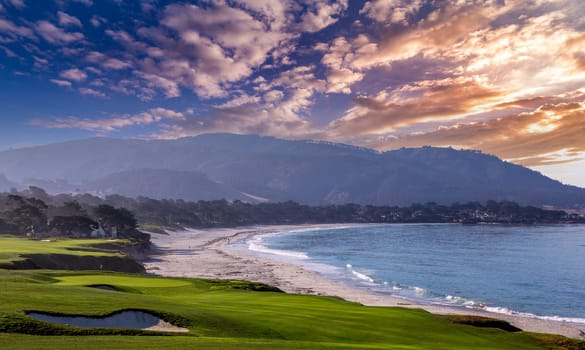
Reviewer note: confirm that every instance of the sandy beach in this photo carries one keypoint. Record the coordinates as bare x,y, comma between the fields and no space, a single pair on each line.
207,254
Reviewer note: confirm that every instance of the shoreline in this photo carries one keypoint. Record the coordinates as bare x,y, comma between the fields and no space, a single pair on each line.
206,254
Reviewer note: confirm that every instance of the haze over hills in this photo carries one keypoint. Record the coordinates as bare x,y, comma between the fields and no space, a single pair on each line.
255,168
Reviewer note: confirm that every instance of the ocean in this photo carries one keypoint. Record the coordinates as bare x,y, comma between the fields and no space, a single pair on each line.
538,271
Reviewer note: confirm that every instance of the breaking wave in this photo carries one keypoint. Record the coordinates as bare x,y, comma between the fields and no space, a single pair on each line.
256,244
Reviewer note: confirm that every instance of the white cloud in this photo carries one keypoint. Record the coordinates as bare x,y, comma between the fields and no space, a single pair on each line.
116,64
106,62
274,13
93,70
74,74
391,11
148,5
212,48
91,92
85,2
40,63
153,81
14,31
16,3
321,14
285,100
56,35
8,52
338,59
273,96
152,116
62,83
95,57
68,20
97,21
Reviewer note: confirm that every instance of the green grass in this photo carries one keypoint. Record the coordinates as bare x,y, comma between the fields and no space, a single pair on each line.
230,315
13,248
220,314
122,281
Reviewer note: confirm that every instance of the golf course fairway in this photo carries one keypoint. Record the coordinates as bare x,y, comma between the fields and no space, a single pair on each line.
227,315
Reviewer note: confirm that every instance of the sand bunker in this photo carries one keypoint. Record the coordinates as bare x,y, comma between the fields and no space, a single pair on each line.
104,287
125,319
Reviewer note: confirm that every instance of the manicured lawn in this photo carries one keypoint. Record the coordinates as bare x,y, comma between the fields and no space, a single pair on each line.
224,315
219,314
11,248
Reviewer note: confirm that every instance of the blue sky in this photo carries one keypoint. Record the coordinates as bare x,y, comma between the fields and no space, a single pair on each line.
505,77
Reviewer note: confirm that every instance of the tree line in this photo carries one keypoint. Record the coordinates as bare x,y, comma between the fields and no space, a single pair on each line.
36,214
33,210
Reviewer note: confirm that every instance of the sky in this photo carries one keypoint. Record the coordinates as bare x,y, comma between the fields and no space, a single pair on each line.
504,77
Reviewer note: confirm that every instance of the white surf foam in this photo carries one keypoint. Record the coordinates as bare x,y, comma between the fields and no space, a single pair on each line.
359,275
256,244
362,276
506,311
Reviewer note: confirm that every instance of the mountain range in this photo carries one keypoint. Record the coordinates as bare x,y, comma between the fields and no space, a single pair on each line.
257,168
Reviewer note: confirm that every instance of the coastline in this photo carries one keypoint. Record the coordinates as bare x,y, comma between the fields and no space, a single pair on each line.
207,254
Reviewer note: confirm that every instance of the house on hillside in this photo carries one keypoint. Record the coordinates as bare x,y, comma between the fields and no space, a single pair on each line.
98,232
101,232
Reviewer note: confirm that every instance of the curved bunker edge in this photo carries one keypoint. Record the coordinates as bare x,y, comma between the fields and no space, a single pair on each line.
127,319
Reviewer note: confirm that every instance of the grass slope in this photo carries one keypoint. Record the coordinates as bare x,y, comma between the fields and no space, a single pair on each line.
231,315
13,248
220,314
67,254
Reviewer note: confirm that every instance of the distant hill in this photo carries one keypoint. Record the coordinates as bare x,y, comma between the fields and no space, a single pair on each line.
161,184
5,184
249,166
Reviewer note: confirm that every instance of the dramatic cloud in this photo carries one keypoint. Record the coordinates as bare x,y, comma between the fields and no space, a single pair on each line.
476,38
550,134
423,102
211,47
381,73
391,11
321,14
214,47
285,100
152,116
